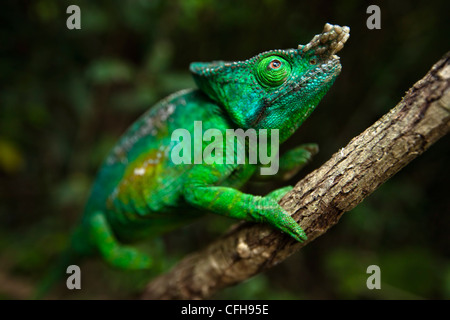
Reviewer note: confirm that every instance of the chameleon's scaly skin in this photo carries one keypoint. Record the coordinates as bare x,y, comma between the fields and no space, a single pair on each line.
140,192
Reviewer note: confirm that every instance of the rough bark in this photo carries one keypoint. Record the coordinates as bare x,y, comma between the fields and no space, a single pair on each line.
319,200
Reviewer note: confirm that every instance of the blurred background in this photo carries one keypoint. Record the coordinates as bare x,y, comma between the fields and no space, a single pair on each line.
67,95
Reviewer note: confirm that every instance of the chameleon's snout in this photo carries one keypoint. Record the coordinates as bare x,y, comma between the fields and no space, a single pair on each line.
327,43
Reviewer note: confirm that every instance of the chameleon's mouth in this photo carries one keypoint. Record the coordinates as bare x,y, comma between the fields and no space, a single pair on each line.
328,70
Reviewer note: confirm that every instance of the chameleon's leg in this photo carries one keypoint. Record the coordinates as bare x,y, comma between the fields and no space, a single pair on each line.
201,192
112,251
279,193
291,162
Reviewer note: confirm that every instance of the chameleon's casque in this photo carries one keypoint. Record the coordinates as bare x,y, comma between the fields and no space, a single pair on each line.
139,192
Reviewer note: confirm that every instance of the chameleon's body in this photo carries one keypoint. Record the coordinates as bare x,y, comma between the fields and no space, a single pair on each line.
140,192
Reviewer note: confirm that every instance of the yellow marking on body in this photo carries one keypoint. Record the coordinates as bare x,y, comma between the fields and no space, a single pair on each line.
139,179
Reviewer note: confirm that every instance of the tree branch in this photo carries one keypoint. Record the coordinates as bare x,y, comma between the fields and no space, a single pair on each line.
320,199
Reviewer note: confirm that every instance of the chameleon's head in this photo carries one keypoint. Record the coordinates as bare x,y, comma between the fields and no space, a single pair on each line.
276,89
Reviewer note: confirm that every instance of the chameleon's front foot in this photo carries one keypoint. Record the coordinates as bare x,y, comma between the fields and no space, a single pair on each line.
268,210
295,159
291,162
235,204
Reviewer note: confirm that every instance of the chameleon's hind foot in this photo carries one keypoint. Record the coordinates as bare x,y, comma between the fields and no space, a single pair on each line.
127,258
116,254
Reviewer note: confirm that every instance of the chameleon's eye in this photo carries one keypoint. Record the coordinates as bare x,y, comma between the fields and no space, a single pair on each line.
272,71
275,64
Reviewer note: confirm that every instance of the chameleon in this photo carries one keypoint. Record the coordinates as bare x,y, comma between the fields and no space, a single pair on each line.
140,192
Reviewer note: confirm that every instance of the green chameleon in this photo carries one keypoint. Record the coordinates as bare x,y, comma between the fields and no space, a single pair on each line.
140,192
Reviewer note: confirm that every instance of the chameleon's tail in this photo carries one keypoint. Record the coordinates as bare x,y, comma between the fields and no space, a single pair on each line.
73,254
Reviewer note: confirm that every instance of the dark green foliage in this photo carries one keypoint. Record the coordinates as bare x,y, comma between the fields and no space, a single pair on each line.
67,95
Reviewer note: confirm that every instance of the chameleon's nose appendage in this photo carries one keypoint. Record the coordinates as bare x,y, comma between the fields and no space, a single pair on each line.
327,43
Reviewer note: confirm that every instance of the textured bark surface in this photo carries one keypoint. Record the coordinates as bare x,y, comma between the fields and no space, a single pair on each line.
319,200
